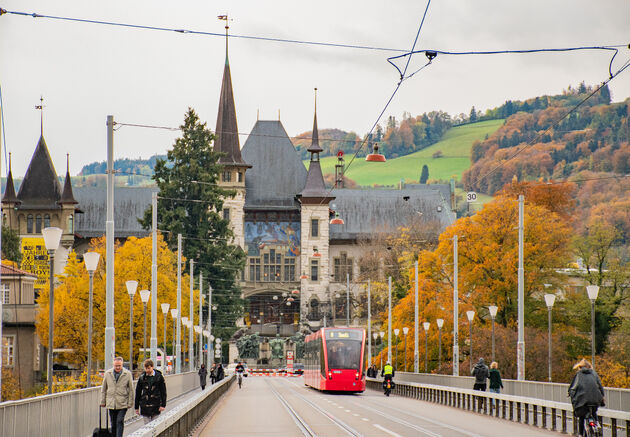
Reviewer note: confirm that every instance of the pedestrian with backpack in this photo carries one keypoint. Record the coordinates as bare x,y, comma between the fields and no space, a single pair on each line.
481,373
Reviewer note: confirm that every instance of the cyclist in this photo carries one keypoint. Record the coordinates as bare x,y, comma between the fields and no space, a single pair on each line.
239,372
586,392
388,375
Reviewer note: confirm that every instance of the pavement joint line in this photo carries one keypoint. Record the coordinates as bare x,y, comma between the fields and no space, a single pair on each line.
434,422
382,428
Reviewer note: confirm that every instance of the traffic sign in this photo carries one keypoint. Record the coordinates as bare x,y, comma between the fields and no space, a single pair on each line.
471,196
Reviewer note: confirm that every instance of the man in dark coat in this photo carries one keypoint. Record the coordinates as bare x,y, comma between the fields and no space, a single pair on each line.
203,374
150,393
220,372
213,374
480,372
586,392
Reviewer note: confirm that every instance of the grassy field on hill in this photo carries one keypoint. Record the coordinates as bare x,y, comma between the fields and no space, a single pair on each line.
455,147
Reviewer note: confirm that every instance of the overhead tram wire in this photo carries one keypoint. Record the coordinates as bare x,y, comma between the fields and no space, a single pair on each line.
540,135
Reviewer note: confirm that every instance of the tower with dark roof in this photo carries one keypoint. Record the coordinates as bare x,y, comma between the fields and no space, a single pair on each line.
234,167
41,203
315,212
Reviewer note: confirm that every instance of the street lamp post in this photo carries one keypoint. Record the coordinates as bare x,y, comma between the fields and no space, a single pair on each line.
405,332
382,335
549,300
174,313
131,289
91,263
440,323
375,336
52,237
396,332
165,307
144,296
493,313
426,326
198,332
593,291
471,315
184,349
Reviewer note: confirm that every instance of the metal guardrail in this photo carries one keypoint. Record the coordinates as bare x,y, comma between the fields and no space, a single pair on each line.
180,421
551,415
616,398
71,413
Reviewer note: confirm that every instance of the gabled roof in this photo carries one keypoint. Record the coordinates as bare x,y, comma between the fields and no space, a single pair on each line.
277,172
129,206
40,188
227,129
371,211
8,270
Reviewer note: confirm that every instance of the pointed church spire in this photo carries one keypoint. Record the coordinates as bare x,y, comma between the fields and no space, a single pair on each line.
226,132
315,148
67,197
9,192
315,190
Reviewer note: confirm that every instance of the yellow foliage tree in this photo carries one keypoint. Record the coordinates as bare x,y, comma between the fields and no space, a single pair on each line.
132,262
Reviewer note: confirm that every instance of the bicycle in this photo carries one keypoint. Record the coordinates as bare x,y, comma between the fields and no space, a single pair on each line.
592,427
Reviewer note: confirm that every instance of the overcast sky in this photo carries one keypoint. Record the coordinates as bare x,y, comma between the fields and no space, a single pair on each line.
87,71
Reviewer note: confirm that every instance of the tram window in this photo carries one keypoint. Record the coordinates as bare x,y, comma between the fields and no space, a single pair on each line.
322,358
344,354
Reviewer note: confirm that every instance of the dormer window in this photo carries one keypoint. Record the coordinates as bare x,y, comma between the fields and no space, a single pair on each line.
70,224
227,176
46,220
29,224
38,224
240,176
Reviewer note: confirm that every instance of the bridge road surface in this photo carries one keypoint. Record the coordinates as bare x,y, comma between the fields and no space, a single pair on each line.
277,406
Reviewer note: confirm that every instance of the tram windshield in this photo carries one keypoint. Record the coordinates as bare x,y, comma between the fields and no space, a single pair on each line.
344,349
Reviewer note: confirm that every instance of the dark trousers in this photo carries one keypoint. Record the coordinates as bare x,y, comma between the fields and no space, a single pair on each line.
479,386
117,418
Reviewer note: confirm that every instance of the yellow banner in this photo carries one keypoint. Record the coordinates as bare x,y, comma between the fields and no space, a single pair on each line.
35,260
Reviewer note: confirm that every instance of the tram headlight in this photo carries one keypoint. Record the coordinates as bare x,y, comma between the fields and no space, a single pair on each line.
329,374
356,375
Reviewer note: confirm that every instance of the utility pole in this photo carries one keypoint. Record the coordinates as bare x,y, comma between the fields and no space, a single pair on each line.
369,324
191,311
389,321
210,340
110,333
347,299
416,363
154,277
520,348
200,347
178,346
455,310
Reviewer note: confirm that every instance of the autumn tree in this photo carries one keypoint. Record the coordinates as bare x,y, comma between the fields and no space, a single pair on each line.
132,261
189,204
11,245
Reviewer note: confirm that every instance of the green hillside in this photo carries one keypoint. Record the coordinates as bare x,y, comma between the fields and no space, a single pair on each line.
455,147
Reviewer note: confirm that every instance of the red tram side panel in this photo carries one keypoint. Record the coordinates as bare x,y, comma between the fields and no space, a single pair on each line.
335,360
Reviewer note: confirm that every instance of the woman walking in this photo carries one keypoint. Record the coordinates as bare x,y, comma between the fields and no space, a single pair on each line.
495,378
213,374
203,374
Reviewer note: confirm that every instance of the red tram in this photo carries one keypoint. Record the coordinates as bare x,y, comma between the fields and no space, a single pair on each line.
335,359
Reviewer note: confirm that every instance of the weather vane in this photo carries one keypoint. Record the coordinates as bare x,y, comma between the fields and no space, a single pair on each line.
41,115
227,27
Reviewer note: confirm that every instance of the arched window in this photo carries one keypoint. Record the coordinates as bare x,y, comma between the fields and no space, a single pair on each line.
38,224
46,220
71,224
29,224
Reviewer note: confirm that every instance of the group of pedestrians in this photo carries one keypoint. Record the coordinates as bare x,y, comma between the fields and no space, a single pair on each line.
217,373
481,373
117,394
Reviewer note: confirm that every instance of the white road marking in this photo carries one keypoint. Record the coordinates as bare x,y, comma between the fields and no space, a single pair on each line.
347,411
387,430
366,419
355,414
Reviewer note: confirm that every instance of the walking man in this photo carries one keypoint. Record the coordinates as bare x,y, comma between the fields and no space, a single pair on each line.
117,395
150,393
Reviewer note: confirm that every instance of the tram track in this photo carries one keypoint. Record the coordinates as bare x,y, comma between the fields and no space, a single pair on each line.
299,421
334,419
